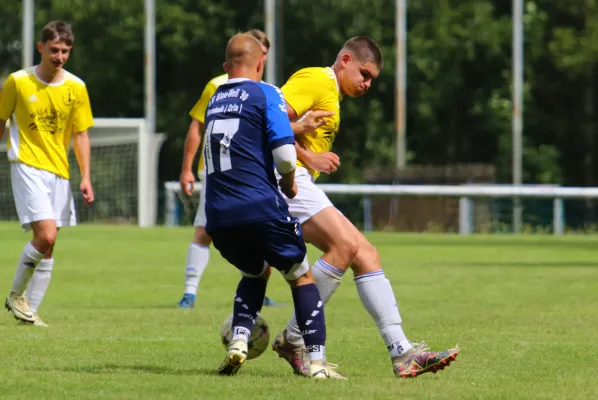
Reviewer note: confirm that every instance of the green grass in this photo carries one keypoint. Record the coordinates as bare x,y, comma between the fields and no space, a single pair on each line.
525,310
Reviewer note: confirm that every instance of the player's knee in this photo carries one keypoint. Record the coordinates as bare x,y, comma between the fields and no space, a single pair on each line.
370,253
347,248
201,237
367,260
47,238
352,248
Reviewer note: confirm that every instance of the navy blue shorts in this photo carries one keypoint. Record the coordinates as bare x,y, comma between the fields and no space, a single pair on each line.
250,247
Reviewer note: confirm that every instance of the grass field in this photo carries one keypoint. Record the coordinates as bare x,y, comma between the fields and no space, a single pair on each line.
524,309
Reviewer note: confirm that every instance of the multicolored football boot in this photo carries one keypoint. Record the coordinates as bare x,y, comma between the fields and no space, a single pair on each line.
420,360
296,356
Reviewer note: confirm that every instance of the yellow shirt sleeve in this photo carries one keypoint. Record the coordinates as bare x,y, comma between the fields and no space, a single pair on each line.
8,98
198,111
82,116
305,89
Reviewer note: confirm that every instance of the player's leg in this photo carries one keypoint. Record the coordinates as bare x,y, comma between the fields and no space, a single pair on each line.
44,235
248,302
309,311
285,250
321,229
377,297
198,255
236,248
323,226
63,206
38,286
34,207
325,231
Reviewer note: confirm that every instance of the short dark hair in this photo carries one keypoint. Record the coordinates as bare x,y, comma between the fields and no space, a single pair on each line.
261,36
365,50
60,30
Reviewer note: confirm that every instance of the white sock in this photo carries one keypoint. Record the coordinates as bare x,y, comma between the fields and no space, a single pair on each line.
197,261
241,333
378,299
328,279
29,259
39,283
317,354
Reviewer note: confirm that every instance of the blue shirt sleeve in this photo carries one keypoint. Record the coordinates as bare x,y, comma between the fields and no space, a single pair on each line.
278,126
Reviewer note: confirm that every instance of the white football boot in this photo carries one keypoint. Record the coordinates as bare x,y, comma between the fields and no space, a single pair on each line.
235,357
38,322
322,370
18,305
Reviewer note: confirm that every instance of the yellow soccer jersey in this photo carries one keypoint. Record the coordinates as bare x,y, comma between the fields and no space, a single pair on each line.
315,89
43,117
198,111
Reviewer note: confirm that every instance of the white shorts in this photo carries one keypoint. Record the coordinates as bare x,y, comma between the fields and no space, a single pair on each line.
309,200
41,195
200,216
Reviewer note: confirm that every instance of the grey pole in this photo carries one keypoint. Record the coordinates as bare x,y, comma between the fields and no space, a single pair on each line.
401,80
517,107
150,66
270,26
27,41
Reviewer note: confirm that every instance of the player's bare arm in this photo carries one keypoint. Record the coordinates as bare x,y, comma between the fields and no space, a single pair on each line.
287,184
192,142
83,151
309,122
326,162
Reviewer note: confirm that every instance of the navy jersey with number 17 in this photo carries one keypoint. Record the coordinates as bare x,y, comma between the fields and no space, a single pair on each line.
245,121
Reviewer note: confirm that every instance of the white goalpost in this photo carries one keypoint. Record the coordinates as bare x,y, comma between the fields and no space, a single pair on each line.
124,173
126,158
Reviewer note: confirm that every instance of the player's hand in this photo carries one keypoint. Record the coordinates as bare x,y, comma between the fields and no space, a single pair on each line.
187,181
87,191
289,191
312,120
325,162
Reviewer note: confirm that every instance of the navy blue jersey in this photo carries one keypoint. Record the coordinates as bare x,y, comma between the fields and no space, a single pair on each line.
245,121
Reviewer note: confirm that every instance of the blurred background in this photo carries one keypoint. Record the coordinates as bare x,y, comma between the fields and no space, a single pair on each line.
458,122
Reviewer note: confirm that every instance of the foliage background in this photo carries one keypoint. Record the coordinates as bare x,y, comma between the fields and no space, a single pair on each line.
459,74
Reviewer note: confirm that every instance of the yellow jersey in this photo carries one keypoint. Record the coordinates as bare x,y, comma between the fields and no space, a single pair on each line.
198,111
315,89
43,117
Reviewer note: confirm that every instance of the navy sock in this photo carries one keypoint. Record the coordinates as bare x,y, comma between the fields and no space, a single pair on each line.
309,310
248,304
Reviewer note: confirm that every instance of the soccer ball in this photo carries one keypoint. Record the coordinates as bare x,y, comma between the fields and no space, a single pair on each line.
258,341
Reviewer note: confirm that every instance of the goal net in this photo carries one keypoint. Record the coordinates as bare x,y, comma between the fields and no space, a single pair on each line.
124,165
